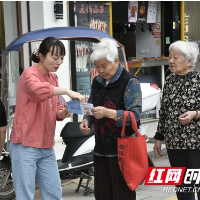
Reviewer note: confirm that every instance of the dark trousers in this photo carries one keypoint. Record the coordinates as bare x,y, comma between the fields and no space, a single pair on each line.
109,183
189,159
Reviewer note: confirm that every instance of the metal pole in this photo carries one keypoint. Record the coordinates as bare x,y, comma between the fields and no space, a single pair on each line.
8,112
163,75
182,20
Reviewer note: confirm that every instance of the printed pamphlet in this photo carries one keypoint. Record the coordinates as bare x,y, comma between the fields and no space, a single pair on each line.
77,107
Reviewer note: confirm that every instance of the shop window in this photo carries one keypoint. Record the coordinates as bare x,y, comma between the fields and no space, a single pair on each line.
95,15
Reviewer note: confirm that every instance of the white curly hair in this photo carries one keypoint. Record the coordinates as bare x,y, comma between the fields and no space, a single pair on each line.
190,50
105,49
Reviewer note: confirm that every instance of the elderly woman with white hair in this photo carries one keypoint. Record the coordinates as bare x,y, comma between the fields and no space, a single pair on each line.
179,124
113,91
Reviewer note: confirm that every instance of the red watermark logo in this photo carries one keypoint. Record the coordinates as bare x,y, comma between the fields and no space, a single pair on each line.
174,176
165,176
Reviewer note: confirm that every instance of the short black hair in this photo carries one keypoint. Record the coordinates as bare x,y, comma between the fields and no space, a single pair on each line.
49,44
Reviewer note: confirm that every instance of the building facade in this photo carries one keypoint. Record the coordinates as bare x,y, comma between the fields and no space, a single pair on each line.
142,36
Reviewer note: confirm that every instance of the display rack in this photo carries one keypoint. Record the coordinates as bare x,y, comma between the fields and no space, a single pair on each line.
147,63
150,63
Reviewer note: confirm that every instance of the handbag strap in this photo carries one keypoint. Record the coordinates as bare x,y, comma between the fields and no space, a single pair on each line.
134,123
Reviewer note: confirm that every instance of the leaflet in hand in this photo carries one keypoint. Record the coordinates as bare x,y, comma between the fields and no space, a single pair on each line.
80,108
63,102
77,107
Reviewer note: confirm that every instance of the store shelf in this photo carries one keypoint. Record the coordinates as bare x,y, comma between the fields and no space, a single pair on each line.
148,63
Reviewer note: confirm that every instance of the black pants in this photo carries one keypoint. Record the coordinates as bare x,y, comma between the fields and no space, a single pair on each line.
189,159
109,183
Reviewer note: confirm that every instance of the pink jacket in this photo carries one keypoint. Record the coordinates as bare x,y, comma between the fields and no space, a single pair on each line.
36,109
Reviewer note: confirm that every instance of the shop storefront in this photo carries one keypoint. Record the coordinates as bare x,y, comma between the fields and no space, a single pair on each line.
95,15
146,29
136,25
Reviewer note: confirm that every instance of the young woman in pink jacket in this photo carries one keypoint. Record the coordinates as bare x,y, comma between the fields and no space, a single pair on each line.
32,137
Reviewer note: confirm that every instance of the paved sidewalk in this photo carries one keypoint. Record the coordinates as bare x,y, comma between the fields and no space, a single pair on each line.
143,192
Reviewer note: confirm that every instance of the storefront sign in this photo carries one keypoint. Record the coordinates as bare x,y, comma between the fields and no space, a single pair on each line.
186,27
191,17
167,40
152,12
156,30
132,11
93,15
142,11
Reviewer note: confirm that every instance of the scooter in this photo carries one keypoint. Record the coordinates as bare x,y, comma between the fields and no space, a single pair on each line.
76,162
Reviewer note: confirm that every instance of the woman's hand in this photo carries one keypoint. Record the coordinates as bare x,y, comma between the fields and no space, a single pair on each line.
157,149
99,112
70,93
84,127
75,95
187,117
61,114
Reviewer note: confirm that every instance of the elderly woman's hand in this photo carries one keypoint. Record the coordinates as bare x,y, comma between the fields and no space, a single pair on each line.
84,127
157,149
99,112
187,117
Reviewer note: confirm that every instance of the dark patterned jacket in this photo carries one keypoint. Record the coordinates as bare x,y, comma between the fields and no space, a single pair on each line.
121,93
180,94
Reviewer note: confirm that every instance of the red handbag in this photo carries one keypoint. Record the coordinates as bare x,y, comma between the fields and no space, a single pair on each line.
132,155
